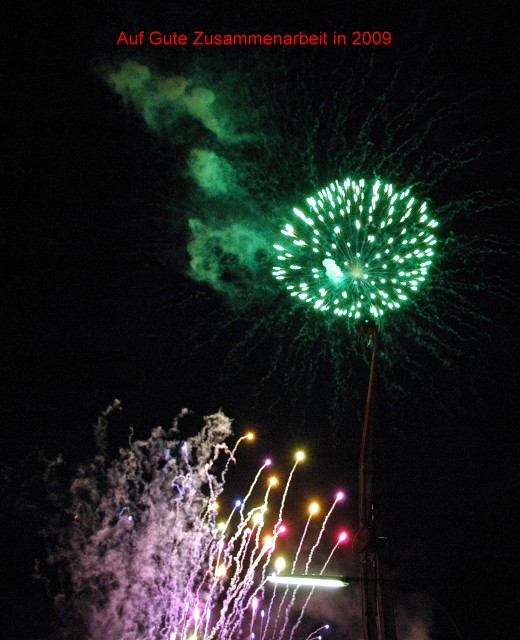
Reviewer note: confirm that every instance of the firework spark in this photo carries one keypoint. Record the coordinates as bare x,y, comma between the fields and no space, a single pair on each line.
362,250
323,121
145,555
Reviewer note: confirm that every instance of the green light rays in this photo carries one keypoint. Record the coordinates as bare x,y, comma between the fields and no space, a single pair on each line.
362,249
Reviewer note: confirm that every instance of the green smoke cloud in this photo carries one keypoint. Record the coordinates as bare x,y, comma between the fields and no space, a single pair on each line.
212,173
225,255
223,247
162,100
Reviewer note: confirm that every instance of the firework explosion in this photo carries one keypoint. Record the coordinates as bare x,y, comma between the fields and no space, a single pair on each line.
253,138
147,554
363,256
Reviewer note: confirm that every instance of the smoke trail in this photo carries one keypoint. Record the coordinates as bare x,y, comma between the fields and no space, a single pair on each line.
254,140
164,100
286,591
299,457
321,532
139,543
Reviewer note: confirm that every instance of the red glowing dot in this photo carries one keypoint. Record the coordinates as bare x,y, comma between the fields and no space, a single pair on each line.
343,536
268,462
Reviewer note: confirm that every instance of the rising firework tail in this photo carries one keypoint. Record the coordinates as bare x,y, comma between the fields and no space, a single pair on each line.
145,554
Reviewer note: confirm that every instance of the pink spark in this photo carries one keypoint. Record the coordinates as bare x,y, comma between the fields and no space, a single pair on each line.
343,536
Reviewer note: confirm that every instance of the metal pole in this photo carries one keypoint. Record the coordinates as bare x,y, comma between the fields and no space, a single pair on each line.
377,620
366,455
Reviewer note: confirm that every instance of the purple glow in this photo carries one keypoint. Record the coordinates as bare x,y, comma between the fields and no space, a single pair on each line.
145,554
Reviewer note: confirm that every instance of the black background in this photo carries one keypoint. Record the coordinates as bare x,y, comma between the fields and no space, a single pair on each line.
85,291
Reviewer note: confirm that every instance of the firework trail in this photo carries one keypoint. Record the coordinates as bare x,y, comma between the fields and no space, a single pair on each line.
271,604
298,458
267,463
143,551
243,579
339,496
312,635
249,437
343,537
313,510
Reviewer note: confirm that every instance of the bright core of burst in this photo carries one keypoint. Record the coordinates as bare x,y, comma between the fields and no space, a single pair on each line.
360,250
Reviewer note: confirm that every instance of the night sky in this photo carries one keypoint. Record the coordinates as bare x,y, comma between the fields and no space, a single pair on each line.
99,303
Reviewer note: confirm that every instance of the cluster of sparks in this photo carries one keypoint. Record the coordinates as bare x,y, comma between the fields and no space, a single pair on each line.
360,250
243,560
353,250
149,556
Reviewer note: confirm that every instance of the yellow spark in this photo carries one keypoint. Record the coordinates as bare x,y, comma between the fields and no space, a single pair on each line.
268,542
220,571
279,564
314,507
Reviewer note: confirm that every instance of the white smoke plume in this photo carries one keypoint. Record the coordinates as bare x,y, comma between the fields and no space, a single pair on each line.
137,545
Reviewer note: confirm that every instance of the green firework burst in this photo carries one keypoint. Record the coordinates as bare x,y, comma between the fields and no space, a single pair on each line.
360,250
